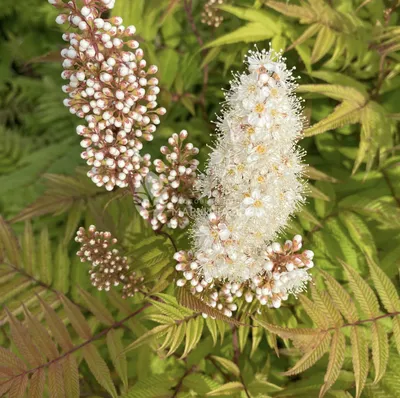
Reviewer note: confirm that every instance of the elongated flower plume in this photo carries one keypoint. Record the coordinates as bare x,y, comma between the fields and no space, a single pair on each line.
112,88
253,179
253,185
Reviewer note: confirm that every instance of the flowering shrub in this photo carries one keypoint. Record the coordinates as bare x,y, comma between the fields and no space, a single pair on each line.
199,258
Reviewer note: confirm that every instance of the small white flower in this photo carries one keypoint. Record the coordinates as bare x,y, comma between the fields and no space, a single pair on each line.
259,60
224,232
259,110
255,205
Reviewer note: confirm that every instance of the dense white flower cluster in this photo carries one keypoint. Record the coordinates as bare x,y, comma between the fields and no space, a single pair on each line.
253,185
113,89
286,272
253,178
172,195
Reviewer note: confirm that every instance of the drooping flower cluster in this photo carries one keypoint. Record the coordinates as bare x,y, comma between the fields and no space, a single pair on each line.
253,178
211,15
285,272
112,88
172,194
109,267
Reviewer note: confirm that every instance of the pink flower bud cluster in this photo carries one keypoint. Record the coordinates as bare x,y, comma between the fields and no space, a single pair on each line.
211,15
109,268
172,189
285,272
113,89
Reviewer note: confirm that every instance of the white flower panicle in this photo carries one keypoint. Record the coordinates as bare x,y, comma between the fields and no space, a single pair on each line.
109,267
172,195
112,88
253,178
253,183
285,273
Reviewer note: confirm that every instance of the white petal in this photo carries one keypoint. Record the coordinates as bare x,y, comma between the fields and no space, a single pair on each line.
248,201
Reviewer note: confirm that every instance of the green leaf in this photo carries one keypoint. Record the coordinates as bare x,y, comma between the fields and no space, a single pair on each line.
337,92
359,232
339,79
345,113
156,332
62,271
9,244
177,339
256,336
71,377
29,249
324,42
362,291
170,310
318,175
37,383
154,385
376,134
315,313
194,329
243,335
380,350
360,358
57,327
116,348
319,347
97,308
99,368
77,319
230,388
228,365
316,193
45,257
305,13
336,359
41,337
74,217
386,290
250,33
23,341
286,333
211,55
253,15
326,305
212,327
308,33
56,381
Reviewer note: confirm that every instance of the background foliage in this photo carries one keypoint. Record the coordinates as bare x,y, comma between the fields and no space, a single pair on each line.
62,330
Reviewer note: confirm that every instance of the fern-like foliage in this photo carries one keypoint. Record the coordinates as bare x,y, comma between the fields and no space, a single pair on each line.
340,319
343,32
377,128
45,361
13,149
27,273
